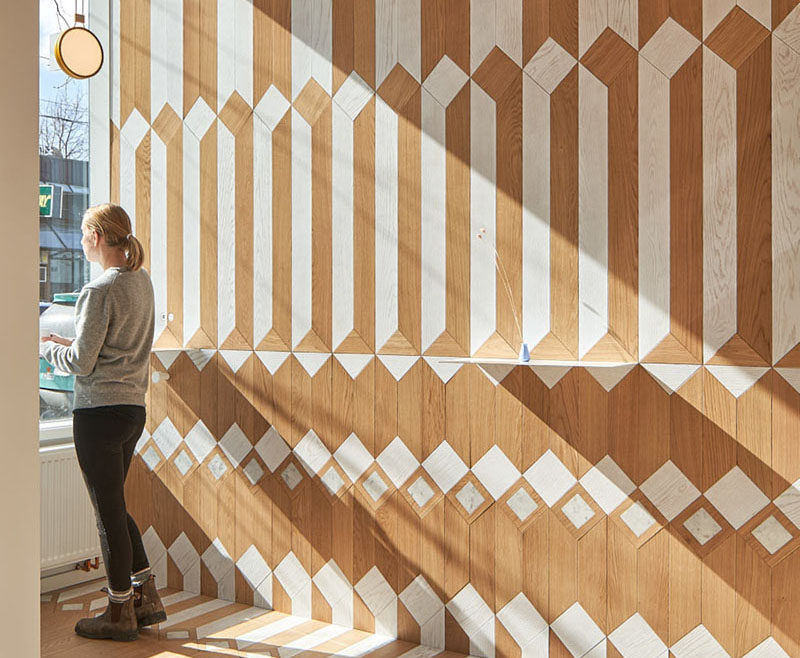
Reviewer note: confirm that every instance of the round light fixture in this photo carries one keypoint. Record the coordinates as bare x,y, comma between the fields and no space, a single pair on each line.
78,51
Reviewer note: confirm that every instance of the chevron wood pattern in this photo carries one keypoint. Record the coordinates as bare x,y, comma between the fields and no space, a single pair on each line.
310,187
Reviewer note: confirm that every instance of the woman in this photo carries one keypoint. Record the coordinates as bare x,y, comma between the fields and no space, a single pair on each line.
109,357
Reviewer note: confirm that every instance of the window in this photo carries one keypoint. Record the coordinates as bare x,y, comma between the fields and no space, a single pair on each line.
63,196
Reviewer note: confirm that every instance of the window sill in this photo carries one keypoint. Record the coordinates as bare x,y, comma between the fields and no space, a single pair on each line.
55,432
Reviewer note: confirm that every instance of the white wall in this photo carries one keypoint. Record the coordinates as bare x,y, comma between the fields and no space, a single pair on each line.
19,255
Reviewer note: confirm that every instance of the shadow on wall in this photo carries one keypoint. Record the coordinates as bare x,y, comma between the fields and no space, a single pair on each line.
650,542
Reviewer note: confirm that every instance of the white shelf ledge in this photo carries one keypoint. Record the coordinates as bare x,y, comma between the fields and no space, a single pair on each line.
539,362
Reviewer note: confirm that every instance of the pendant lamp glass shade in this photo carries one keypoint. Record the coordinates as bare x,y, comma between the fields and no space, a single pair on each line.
79,53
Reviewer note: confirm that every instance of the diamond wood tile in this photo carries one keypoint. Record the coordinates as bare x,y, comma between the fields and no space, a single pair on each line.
701,527
771,534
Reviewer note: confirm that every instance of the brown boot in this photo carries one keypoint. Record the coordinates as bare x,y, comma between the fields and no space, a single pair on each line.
147,604
118,622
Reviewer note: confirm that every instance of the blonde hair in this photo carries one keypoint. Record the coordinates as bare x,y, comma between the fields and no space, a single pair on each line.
113,224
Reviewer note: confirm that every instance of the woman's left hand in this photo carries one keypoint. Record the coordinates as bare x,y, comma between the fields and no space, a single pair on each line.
55,338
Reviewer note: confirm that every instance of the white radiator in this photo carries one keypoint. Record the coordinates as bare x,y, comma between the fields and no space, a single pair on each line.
69,530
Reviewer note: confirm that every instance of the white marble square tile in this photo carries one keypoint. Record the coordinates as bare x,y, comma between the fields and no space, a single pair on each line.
200,441
420,492
737,497
702,526
253,567
638,519
469,497
235,445
522,620
312,452
332,480
698,643
445,466
72,607
577,510
253,471
772,535
420,600
669,490
217,467
789,503
272,449
167,438
398,462
577,630
291,476
353,457
470,610
635,639
375,486
151,458
177,635
607,484
550,478
522,504
496,472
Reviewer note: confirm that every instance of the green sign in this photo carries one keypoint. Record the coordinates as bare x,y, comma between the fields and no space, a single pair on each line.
45,201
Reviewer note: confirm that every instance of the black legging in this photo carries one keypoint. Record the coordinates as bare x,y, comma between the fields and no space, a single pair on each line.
105,438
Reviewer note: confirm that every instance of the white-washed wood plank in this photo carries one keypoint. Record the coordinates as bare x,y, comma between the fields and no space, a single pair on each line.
158,57
713,13
115,74
385,39
719,203
226,50
262,230
623,18
434,227
166,56
158,231
243,53
409,37
789,29
226,232
654,207
761,10
301,227
342,225
535,211
131,136
483,207
311,44
386,239
481,30
508,17
592,20
785,198
592,210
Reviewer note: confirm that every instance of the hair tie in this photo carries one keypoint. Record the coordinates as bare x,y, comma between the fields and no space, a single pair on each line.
129,236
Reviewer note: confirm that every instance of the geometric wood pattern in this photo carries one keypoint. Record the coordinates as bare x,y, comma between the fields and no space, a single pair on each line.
310,189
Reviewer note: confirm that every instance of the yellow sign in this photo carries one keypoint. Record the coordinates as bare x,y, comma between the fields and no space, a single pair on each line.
45,201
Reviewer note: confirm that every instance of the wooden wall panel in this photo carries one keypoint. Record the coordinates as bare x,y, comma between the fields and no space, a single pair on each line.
632,163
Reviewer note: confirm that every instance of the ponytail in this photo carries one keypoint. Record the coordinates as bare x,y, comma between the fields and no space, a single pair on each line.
134,253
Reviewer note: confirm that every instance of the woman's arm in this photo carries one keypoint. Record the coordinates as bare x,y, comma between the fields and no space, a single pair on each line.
91,326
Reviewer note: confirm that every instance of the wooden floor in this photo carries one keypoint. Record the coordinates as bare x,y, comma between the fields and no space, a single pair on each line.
202,626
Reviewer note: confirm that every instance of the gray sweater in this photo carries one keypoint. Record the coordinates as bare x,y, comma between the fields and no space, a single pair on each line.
110,355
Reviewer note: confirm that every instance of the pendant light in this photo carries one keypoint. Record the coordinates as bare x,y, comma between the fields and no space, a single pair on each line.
77,50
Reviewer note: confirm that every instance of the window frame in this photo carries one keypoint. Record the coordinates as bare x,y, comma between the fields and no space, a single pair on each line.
98,19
